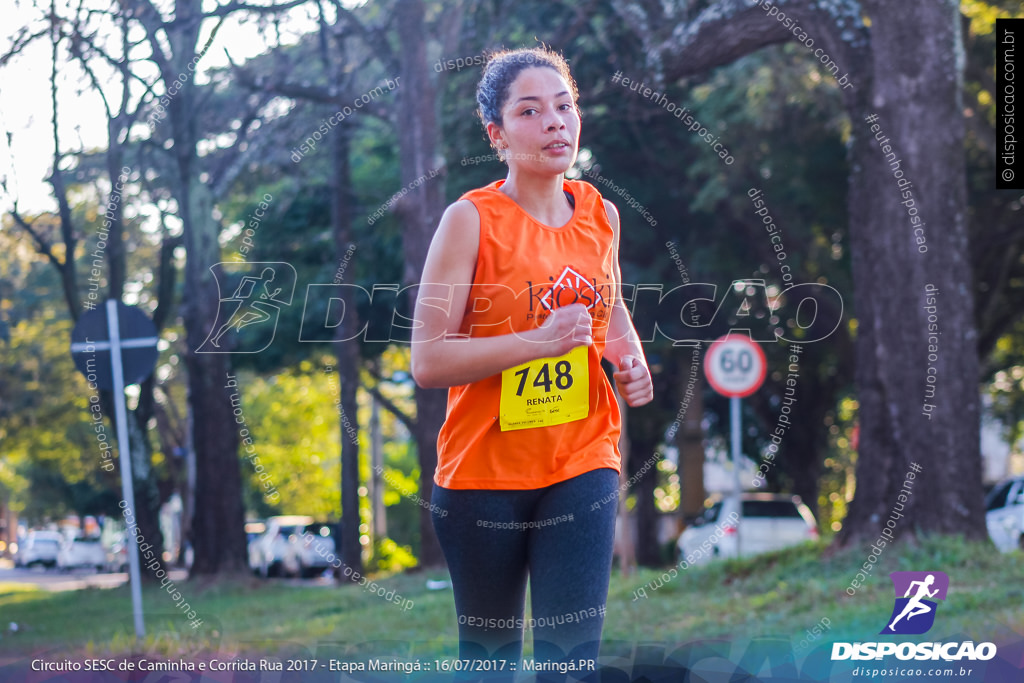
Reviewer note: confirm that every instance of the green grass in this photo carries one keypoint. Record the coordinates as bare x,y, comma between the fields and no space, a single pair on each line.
779,594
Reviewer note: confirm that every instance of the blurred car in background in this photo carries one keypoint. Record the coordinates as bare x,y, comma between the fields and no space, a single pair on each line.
253,530
267,551
82,552
308,550
1004,515
39,548
117,556
769,521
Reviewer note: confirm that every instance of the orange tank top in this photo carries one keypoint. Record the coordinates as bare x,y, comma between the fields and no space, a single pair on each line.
525,269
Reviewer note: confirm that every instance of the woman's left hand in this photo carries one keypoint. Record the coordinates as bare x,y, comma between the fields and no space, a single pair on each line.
633,380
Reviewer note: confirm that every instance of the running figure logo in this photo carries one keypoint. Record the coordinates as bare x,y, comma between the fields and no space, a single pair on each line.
914,613
254,305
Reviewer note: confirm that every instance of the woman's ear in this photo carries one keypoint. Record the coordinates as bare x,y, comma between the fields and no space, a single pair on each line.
497,137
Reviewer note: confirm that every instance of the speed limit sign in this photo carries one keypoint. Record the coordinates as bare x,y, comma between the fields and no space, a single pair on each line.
735,366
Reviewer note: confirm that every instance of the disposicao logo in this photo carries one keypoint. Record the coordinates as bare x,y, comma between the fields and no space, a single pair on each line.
913,613
254,305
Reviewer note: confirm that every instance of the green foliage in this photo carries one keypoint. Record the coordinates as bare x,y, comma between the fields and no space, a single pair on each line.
1005,391
295,432
51,461
391,557
296,429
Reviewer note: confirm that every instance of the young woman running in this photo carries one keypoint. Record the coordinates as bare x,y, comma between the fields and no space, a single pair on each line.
518,305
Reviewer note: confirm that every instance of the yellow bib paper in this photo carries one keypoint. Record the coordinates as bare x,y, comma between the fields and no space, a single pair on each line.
546,392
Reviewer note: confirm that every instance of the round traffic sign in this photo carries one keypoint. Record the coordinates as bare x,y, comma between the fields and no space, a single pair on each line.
92,348
735,366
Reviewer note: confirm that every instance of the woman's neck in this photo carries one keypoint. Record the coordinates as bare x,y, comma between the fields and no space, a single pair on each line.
540,196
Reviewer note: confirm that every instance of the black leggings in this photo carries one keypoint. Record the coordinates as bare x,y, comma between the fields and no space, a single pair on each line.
560,536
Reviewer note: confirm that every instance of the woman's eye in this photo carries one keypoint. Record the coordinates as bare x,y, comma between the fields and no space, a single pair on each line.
565,107
528,111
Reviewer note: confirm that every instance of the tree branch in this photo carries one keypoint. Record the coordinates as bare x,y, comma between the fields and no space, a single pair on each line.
118,64
152,22
227,9
253,149
338,97
20,42
989,315
719,35
390,406
373,36
76,51
56,179
730,29
42,246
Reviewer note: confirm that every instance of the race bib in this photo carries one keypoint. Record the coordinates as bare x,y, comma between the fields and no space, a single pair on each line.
546,392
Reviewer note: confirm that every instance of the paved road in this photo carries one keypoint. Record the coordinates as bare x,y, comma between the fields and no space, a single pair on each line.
76,579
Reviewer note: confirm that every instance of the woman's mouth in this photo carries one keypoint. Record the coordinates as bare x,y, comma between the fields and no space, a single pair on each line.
559,146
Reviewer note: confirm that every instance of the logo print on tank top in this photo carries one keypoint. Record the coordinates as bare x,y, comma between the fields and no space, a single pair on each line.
552,391
571,287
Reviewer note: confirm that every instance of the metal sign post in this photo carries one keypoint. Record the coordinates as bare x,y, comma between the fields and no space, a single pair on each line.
735,367
140,335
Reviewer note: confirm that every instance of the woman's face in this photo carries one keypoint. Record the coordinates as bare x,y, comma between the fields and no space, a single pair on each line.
540,129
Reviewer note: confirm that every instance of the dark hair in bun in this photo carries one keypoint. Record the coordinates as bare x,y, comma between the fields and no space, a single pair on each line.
502,69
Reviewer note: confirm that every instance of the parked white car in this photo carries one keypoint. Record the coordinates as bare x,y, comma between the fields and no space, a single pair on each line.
82,552
308,551
769,521
1004,515
253,531
39,547
117,556
267,551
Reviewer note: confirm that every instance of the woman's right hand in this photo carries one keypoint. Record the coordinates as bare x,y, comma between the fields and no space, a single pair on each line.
565,329
444,357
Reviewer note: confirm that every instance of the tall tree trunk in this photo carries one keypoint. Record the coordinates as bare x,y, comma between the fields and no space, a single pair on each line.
140,449
347,354
626,530
218,532
917,57
690,439
380,514
645,432
430,412
907,70
218,524
144,484
420,211
348,379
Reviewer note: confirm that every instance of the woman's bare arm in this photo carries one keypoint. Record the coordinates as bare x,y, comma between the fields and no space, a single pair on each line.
622,347
441,357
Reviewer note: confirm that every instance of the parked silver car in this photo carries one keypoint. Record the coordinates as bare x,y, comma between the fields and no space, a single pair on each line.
267,551
770,521
39,548
1004,515
82,552
309,550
